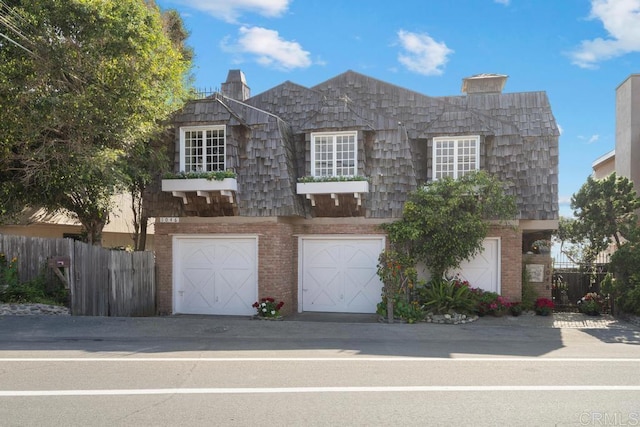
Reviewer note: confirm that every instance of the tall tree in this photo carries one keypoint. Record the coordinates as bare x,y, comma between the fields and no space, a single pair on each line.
83,81
446,221
605,212
148,157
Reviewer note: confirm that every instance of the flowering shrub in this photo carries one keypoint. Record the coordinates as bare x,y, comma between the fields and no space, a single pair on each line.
492,303
544,306
267,307
591,304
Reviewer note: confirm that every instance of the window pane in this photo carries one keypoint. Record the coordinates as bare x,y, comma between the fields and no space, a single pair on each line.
204,150
193,151
455,156
323,162
335,154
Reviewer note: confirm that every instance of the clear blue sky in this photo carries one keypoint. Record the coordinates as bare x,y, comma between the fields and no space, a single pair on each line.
578,51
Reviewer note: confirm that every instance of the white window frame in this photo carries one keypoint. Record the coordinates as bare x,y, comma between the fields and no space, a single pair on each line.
333,169
460,162
202,165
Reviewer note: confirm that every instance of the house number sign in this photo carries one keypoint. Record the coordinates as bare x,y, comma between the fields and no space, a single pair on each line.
536,272
169,219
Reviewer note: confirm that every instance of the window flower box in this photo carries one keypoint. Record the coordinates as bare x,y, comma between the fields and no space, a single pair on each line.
201,186
338,187
310,189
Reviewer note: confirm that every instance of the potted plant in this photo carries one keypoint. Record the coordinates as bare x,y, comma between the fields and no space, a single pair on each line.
541,246
544,306
267,308
591,304
515,309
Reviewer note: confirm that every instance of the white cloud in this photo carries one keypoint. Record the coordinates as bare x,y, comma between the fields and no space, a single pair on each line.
422,54
269,48
230,10
591,139
504,2
621,20
560,129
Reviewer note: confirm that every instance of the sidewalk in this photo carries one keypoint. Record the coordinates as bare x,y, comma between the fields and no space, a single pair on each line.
556,320
559,321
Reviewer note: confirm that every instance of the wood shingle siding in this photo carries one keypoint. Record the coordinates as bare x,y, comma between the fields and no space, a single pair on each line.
269,143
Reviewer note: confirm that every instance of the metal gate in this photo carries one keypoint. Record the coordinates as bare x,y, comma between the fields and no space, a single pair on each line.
571,281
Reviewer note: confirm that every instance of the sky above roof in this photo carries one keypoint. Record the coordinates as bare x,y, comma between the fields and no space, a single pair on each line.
577,51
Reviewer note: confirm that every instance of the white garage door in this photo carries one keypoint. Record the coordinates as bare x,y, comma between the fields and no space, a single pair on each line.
484,270
215,275
339,274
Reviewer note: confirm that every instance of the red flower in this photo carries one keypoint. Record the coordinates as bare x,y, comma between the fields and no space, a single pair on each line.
544,303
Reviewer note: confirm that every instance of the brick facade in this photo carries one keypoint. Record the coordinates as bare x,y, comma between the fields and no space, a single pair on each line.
278,249
510,262
542,287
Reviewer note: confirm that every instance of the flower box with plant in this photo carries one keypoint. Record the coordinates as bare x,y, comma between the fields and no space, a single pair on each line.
544,306
268,308
591,304
200,181
332,185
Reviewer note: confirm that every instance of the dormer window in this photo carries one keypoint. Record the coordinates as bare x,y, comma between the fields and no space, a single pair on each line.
455,156
202,148
334,154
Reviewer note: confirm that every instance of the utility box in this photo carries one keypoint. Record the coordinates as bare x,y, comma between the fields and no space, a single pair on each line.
59,262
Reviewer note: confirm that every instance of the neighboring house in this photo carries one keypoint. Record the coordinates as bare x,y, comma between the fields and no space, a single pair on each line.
116,234
625,159
604,165
221,245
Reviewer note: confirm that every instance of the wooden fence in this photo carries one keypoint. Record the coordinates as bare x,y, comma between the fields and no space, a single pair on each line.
102,282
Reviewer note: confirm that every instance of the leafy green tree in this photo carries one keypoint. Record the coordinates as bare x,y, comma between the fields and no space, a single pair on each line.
81,83
446,221
573,245
605,212
148,157
625,263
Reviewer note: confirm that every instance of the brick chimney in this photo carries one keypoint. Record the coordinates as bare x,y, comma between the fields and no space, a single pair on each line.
484,83
236,86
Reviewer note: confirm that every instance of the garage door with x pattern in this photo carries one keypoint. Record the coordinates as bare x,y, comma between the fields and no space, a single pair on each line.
339,274
215,275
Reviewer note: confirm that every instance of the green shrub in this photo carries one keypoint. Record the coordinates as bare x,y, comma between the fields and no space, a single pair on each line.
625,263
8,271
409,311
38,291
442,297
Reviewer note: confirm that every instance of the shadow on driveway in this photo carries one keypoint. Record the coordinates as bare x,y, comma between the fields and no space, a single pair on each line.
359,335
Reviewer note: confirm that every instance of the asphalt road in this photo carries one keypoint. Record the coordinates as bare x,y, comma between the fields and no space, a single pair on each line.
199,371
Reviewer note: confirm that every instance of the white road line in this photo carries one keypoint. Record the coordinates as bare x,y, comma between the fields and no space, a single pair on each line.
320,359
274,390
